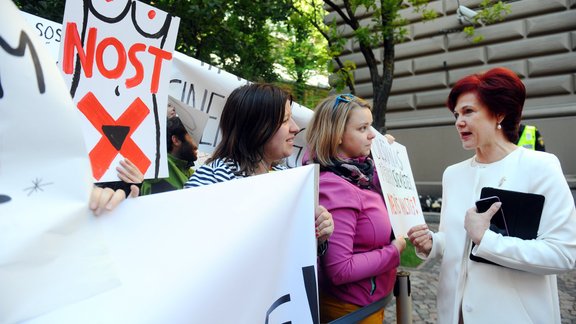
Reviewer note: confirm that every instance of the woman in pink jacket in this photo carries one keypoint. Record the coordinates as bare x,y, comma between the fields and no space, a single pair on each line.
360,265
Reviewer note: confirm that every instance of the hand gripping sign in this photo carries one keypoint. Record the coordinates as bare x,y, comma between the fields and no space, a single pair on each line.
116,57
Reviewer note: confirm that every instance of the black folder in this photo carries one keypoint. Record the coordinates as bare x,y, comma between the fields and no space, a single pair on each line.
522,212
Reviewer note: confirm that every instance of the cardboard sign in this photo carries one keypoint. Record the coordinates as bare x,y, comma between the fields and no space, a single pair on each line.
398,186
116,58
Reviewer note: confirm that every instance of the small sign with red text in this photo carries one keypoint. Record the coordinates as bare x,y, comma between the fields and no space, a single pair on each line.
398,186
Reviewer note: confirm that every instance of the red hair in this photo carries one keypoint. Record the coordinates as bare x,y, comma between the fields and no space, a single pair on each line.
500,90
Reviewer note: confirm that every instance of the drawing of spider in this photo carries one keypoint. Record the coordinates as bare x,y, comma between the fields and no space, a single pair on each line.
37,186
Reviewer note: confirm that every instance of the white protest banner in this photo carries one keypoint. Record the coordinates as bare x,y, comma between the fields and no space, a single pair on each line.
206,88
242,251
398,186
50,251
116,58
48,31
193,120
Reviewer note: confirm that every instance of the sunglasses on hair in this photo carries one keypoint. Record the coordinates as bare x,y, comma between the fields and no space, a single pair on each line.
345,98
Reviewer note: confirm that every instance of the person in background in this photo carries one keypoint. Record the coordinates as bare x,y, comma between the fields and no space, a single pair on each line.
360,266
170,111
530,137
257,131
521,287
182,152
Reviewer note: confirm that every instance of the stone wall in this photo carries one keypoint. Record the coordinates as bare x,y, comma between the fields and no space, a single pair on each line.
537,41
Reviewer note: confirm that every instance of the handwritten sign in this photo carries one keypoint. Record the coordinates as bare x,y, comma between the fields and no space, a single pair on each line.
116,58
49,32
398,186
204,88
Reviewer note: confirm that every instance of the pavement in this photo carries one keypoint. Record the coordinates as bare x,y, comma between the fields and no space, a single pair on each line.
424,283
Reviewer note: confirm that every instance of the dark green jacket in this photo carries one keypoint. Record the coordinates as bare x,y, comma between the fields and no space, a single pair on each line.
178,174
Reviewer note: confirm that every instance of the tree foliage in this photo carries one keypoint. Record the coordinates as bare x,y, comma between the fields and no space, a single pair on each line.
48,9
488,13
301,50
385,30
234,35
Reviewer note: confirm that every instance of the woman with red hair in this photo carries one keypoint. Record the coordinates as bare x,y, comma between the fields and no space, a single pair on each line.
519,286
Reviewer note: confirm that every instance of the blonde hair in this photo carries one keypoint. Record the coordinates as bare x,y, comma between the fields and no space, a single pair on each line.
327,126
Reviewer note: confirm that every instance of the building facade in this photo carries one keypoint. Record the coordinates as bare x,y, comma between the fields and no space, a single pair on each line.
537,40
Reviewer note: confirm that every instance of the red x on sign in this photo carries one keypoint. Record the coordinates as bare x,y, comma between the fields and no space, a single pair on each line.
115,134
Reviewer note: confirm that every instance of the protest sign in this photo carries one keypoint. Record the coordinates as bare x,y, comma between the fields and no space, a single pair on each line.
116,58
49,32
203,87
50,251
242,251
398,186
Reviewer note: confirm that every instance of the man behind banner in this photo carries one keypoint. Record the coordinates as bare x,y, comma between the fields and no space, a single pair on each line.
182,152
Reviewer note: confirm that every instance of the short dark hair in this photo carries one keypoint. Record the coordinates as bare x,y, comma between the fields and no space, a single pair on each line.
251,116
174,127
500,90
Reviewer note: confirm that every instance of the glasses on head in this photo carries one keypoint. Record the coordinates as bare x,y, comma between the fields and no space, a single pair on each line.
345,98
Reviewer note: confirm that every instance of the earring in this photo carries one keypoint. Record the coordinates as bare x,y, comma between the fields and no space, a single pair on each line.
499,126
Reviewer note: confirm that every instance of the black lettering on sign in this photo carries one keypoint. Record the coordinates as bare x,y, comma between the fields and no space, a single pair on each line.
309,278
278,302
213,143
37,186
293,164
4,199
49,33
185,99
20,50
59,34
211,101
309,274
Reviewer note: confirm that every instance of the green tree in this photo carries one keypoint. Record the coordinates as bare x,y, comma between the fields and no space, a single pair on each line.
48,9
233,35
385,31
302,50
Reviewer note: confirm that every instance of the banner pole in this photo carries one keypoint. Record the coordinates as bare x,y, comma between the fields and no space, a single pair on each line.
403,298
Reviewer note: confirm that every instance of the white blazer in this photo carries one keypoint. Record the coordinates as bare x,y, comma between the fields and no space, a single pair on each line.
525,290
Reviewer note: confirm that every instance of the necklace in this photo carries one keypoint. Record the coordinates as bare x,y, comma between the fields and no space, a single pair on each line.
474,163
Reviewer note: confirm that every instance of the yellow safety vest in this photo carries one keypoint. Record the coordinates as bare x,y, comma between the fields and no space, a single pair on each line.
528,138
